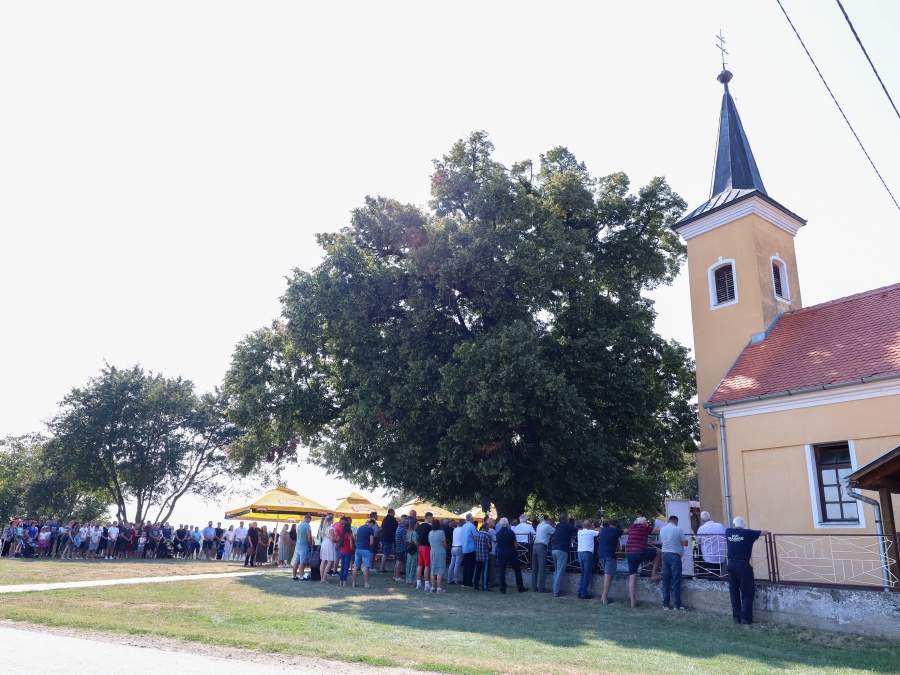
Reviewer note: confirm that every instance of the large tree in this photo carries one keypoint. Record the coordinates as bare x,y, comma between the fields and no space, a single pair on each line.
495,344
143,439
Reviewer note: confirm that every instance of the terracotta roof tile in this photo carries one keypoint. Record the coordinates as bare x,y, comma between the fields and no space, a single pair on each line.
838,341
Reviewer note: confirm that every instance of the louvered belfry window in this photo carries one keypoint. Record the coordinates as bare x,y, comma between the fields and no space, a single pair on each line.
724,284
776,276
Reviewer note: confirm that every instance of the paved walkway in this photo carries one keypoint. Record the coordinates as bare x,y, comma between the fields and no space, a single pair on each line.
67,654
27,588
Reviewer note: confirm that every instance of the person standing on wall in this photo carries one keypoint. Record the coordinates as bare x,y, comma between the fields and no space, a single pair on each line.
741,583
673,542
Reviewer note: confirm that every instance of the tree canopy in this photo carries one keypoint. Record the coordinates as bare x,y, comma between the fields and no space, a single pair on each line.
30,486
496,343
141,438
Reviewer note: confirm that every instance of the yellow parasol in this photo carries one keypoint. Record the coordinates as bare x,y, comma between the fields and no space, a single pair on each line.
478,515
279,505
420,507
358,508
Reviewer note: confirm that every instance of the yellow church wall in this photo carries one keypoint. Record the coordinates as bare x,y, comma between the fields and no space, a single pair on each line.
768,465
709,483
721,334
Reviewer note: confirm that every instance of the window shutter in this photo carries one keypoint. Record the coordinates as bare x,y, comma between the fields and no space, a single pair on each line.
776,276
724,284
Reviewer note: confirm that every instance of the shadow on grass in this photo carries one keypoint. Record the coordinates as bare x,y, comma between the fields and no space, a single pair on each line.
569,622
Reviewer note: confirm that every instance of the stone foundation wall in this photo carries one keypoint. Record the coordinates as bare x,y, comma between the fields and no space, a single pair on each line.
865,612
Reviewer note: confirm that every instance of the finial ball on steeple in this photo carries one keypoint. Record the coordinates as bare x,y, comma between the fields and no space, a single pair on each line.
725,77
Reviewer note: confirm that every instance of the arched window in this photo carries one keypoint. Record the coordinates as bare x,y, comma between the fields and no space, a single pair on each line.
723,288
780,279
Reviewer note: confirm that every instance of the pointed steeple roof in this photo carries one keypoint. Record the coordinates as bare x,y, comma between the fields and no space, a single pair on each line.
735,167
736,176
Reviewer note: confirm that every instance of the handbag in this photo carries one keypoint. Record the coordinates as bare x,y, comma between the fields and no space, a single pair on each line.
412,548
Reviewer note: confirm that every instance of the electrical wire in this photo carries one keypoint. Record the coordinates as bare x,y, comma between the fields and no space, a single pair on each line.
856,35
833,98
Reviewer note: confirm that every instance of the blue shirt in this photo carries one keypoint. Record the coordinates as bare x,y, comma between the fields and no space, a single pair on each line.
609,541
303,532
740,543
362,538
468,533
562,538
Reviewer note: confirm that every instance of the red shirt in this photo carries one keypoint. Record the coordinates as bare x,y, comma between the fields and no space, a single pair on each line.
338,527
637,538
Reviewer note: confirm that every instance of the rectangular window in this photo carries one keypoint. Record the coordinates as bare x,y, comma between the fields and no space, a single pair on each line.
832,464
776,276
724,284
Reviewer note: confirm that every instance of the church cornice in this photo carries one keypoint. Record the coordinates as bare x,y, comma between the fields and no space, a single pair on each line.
752,202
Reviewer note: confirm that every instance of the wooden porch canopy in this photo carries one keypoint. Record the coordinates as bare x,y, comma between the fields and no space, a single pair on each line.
883,476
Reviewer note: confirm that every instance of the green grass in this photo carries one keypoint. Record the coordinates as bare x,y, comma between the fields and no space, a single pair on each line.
459,632
41,571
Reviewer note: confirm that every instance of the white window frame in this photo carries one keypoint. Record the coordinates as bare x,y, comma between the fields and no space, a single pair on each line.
816,502
785,287
711,277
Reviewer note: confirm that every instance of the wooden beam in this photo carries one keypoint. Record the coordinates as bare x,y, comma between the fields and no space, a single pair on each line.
890,529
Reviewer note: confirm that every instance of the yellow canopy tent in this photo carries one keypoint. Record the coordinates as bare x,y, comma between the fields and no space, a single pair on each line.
478,515
279,505
420,507
358,508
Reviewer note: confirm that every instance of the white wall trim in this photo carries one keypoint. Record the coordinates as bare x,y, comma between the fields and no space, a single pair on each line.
851,392
711,279
814,493
785,284
754,205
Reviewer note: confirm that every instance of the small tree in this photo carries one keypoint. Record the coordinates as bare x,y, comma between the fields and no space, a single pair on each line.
143,438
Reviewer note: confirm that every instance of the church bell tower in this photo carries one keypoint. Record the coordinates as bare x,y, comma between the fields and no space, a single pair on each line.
742,272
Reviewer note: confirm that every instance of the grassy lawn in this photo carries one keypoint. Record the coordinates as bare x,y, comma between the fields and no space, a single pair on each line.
459,632
36,571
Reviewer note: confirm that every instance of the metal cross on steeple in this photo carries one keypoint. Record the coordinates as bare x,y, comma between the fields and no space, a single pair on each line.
721,47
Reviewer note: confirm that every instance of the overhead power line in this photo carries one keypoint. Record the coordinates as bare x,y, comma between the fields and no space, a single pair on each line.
856,35
833,98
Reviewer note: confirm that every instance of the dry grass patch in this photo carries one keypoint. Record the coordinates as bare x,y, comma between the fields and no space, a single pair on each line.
14,571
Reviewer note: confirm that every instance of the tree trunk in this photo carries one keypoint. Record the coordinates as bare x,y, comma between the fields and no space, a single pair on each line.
510,508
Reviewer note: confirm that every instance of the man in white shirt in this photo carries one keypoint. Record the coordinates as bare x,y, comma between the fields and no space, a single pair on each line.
542,536
711,538
112,536
240,538
523,531
673,542
454,574
587,538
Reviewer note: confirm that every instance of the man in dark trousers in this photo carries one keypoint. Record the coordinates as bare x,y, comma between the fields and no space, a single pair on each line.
741,583
253,538
387,532
508,556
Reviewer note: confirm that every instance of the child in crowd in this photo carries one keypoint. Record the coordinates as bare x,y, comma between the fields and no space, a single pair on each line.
142,543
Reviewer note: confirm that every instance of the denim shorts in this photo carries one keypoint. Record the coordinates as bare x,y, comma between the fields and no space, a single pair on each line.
301,555
609,566
363,558
387,547
635,559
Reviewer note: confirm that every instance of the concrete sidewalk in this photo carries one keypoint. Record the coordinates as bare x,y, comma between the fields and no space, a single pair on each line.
48,653
28,588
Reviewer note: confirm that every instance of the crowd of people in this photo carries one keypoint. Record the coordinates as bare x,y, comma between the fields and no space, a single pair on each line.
428,553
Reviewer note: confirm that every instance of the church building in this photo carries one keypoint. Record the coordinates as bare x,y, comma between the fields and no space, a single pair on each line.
794,399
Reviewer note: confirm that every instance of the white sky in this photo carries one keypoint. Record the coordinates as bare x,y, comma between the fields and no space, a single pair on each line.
164,166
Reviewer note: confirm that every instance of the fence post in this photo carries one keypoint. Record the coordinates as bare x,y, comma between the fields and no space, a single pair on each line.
772,555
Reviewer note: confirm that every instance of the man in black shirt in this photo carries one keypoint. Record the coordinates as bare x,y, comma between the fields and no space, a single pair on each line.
741,582
253,538
423,569
562,544
388,532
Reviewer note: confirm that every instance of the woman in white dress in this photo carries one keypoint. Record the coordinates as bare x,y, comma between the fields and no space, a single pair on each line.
229,543
329,551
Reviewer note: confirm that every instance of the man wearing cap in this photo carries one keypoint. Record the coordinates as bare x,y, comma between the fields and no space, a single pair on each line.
741,583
